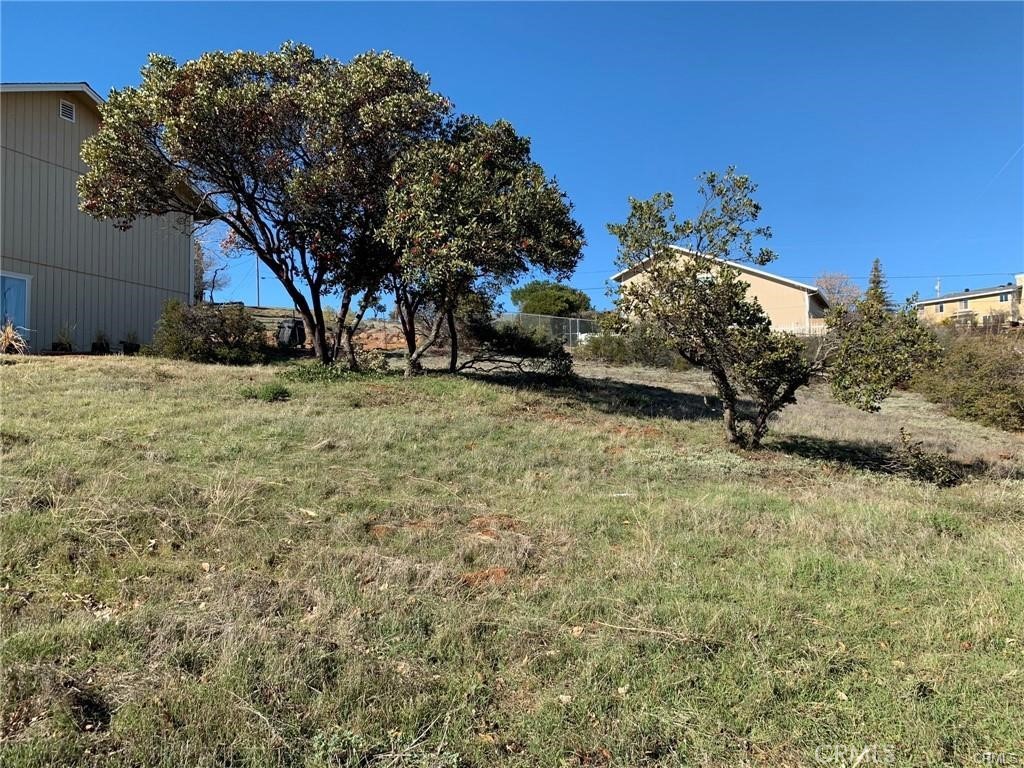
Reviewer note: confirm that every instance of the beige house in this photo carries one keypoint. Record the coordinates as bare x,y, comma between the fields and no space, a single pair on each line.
790,305
62,272
978,306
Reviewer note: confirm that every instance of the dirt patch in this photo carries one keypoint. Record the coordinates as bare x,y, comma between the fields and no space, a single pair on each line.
488,576
496,547
496,523
382,531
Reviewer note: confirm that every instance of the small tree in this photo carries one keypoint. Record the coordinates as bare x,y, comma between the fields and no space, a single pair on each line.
468,215
699,303
876,348
837,289
544,297
209,273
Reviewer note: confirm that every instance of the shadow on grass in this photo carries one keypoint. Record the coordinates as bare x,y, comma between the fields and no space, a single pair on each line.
856,454
909,460
615,397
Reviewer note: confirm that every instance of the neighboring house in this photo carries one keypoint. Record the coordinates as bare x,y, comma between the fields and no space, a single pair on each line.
790,305
59,268
977,306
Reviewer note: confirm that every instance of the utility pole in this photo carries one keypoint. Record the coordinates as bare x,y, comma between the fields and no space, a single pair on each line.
257,281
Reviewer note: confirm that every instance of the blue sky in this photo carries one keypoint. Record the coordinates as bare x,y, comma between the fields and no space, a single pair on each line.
874,130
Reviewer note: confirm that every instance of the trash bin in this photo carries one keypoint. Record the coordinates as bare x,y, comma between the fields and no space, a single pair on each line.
291,333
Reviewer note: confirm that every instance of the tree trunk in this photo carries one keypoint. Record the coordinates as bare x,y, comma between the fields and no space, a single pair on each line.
453,342
339,333
728,397
407,318
413,363
348,346
320,345
759,428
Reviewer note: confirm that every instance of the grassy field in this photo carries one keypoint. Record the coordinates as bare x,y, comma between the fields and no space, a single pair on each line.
448,571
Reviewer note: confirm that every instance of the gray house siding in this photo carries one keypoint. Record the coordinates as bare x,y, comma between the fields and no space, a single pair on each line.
85,274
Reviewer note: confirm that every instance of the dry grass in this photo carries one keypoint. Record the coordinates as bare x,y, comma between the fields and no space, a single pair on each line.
454,571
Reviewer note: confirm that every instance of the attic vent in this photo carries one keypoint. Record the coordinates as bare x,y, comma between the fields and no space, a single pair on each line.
67,111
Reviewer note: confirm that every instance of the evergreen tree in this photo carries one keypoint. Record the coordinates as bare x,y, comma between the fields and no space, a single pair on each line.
878,289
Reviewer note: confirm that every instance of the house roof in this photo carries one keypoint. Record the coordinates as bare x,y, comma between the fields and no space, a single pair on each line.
620,276
83,88
971,293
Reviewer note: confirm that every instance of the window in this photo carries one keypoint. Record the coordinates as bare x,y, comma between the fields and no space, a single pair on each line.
67,111
940,307
963,303
14,301
1004,297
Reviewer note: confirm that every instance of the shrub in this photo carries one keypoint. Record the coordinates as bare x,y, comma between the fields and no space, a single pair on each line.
980,378
208,333
629,348
271,392
507,347
11,341
369,361
315,373
914,461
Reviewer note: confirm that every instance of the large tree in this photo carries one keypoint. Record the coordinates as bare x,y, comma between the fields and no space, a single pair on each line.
546,297
469,213
292,152
685,291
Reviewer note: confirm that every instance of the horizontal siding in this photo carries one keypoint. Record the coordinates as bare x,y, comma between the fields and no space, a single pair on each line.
86,274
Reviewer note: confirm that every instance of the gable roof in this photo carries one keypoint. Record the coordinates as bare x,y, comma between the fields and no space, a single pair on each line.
972,293
620,276
83,88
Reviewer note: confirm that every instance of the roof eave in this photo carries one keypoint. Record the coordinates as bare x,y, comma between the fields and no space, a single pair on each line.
969,295
619,276
82,87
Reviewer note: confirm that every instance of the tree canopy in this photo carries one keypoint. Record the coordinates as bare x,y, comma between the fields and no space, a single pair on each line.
469,213
545,297
292,152
698,303
877,348
837,289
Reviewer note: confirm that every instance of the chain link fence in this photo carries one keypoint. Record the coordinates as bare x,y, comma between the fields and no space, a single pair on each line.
571,330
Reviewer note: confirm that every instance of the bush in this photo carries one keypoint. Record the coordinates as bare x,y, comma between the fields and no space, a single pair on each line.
912,460
507,347
629,348
208,333
980,378
369,361
271,392
315,373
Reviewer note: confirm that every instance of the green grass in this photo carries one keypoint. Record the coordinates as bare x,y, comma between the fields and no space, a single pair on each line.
449,571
